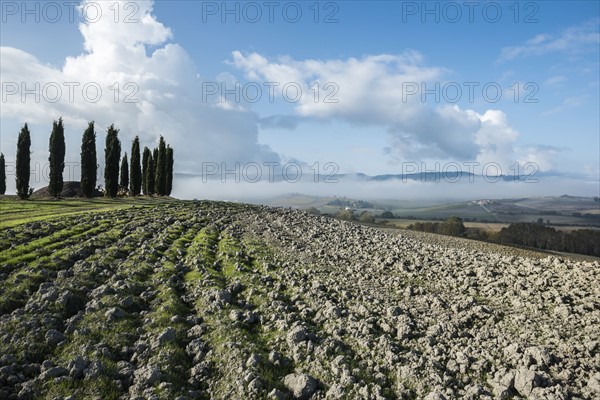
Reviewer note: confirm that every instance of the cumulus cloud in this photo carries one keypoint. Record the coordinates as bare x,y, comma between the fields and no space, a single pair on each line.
386,91
496,139
543,157
363,90
130,74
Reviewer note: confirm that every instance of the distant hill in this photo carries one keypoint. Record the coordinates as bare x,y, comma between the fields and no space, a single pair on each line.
70,189
432,176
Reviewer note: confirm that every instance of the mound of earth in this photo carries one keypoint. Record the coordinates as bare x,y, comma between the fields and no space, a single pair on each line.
70,189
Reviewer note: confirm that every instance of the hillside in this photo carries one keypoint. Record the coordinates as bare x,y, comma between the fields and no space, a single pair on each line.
201,300
70,189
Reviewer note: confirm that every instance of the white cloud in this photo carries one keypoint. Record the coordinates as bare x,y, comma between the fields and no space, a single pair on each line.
366,89
543,157
496,139
573,40
375,90
113,31
555,80
567,104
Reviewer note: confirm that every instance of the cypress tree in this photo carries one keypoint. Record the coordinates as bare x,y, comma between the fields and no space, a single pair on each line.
56,158
112,155
169,170
89,166
154,164
23,163
145,160
161,169
2,174
135,179
151,174
124,173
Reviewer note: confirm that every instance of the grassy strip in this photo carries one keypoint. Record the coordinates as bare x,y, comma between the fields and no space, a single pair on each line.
47,244
14,212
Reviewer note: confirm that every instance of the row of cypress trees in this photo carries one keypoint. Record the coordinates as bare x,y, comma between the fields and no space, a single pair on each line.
158,169
154,176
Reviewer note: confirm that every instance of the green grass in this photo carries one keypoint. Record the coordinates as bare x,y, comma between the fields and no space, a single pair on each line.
47,244
98,388
229,248
14,212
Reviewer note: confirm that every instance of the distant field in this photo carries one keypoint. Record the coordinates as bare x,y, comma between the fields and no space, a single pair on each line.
488,226
463,210
554,219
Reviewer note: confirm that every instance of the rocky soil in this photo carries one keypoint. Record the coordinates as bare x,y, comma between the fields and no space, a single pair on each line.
203,300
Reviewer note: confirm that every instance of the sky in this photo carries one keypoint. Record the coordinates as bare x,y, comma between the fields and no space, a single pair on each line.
249,91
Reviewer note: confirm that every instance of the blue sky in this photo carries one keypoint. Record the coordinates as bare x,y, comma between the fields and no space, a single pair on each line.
373,52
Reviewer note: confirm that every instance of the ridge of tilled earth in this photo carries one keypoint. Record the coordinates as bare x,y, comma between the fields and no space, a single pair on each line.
203,300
